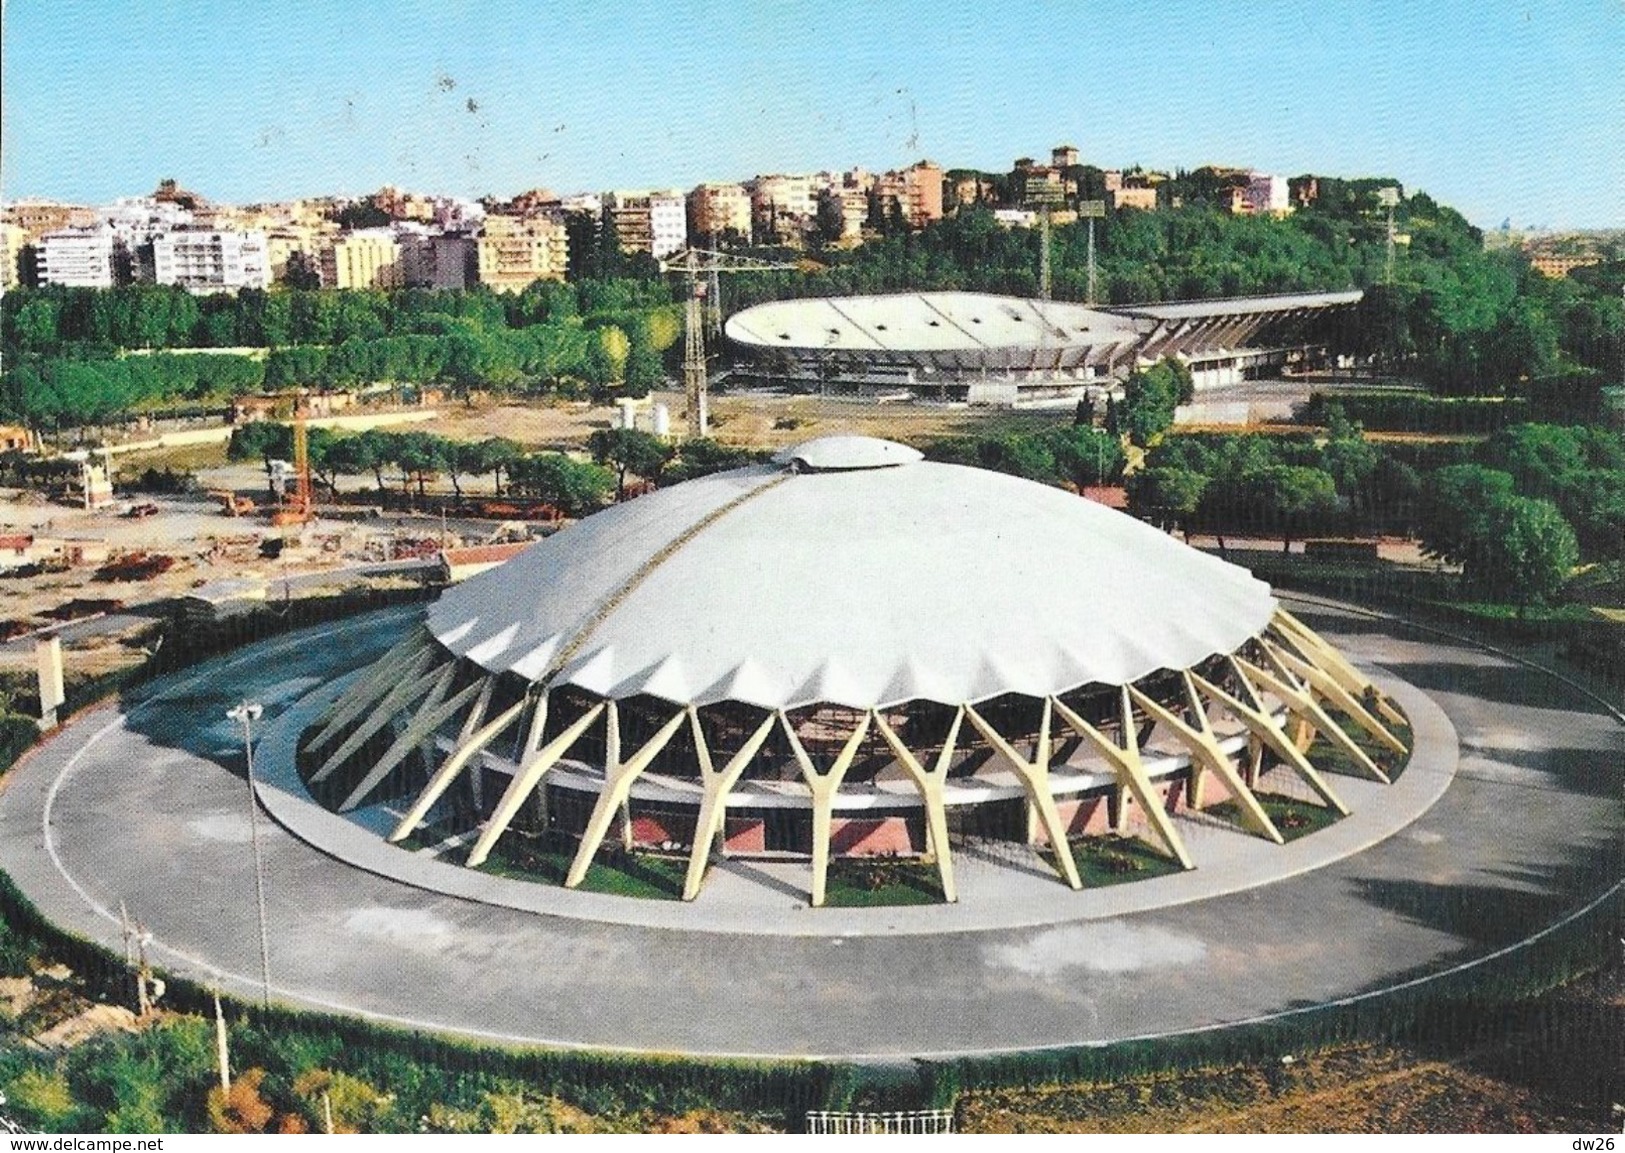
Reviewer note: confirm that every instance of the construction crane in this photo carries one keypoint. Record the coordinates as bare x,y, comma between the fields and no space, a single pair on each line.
703,268
302,508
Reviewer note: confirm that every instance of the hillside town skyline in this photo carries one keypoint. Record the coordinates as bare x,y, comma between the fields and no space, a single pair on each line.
250,105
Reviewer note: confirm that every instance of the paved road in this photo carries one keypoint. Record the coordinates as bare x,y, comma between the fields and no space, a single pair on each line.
153,814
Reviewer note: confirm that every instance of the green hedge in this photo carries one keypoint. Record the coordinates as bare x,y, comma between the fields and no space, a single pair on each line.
1418,412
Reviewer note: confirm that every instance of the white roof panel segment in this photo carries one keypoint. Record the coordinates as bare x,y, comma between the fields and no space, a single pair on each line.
860,588
924,322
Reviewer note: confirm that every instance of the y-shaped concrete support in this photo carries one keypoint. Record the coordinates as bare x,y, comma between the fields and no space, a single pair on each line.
1315,649
713,805
426,722
618,778
1330,689
401,663
534,763
1034,775
823,787
932,785
1264,729
400,695
1129,769
1300,701
430,713
1205,753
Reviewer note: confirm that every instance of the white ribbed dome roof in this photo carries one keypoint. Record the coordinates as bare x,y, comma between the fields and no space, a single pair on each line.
861,586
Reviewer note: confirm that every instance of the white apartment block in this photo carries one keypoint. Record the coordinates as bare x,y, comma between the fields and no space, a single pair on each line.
1266,194
215,261
785,204
77,259
654,222
137,219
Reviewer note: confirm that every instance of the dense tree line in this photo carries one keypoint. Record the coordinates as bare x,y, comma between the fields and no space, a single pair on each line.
1517,512
575,487
67,351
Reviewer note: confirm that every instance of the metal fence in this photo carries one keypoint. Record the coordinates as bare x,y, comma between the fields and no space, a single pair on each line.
919,1121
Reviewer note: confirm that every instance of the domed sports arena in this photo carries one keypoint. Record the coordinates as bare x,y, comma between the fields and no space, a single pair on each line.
850,651
1006,351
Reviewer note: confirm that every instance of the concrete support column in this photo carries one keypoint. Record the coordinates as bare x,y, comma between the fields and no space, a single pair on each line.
1334,663
1263,727
48,664
1205,753
471,741
1311,716
1329,689
1034,776
1125,762
708,826
534,763
402,664
823,787
618,778
932,785
400,695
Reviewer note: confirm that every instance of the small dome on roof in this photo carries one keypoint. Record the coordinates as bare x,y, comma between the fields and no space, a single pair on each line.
837,453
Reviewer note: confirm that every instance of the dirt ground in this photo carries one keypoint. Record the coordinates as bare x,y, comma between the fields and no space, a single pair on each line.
753,420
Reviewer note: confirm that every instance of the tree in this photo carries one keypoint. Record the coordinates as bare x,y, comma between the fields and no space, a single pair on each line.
301,271
1453,513
629,450
1166,494
1526,552
1289,498
1150,398
496,455
420,455
574,487
1085,455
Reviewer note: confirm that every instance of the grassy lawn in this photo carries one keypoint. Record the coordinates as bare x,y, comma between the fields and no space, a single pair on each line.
1328,758
1293,817
547,858
1112,860
859,883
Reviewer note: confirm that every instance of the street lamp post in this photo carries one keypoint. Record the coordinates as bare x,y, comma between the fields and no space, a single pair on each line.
247,713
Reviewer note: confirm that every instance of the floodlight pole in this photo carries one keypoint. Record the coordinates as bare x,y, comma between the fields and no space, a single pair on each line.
247,713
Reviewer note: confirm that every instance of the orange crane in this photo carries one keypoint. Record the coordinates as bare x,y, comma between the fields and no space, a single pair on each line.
301,508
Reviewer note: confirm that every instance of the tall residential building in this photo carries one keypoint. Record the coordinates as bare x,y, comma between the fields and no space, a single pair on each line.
212,261
922,187
514,251
715,210
437,261
653,222
282,244
853,204
915,193
12,240
783,207
1265,194
78,259
364,258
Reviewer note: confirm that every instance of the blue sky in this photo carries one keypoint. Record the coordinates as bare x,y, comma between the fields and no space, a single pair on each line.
1503,110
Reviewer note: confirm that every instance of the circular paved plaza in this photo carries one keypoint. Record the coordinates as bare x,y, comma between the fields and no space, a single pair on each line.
1508,820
